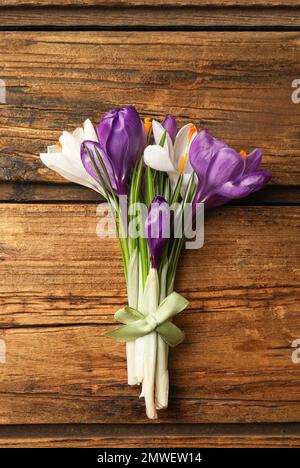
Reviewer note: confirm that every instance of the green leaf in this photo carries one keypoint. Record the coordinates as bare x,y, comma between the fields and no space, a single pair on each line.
100,178
163,138
167,190
149,186
132,240
190,190
177,190
137,188
149,136
160,183
123,238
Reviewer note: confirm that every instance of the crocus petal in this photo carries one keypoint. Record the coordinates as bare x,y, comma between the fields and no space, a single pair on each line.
173,176
253,161
157,228
202,150
60,164
77,135
71,148
185,181
158,131
158,158
245,185
66,160
170,125
122,137
181,145
222,173
87,149
69,142
89,131
214,200
226,165
53,149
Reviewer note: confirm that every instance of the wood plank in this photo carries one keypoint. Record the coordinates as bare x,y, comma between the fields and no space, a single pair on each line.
60,193
146,17
60,286
157,3
238,86
56,192
156,442
158,435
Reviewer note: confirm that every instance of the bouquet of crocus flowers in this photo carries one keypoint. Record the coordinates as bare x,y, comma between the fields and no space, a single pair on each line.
150,173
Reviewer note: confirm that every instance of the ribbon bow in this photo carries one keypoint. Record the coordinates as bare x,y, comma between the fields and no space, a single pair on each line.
138,324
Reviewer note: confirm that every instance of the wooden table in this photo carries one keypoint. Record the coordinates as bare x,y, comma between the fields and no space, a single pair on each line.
227,66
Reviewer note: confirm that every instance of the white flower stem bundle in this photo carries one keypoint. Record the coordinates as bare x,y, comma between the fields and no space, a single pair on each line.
147,357
132,291
149,306
162,373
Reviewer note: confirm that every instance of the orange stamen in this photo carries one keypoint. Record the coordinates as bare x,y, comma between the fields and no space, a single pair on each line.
184,157
58,144
243,154
148,125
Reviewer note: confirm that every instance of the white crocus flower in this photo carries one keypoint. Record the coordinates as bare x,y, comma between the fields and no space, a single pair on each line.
65,159
171,158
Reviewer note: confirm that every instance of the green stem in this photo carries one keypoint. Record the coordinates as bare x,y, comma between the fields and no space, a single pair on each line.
120,214
149,187
177,190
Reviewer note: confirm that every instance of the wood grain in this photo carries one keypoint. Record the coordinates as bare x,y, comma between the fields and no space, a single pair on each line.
192,441
157,3
158,435
148,17
238,85
151,435
60,286
55,300
72,193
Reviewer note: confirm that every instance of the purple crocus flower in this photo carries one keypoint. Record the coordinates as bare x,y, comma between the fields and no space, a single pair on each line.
170,125
223,174
122,137
157,229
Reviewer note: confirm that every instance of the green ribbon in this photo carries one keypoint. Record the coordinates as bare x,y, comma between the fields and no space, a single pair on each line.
138,324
